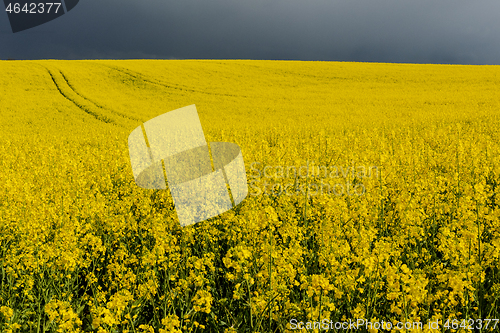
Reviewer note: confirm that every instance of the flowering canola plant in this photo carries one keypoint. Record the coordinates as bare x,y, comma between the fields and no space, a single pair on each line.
83,249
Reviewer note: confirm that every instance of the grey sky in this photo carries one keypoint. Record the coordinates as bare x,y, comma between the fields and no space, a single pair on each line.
419,31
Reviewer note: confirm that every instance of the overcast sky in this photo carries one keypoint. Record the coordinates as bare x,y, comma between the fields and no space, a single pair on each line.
417,31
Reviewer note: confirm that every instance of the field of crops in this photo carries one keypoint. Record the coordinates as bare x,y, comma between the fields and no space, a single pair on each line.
393,215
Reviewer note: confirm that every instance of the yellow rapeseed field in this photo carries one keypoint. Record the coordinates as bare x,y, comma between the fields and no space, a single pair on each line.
374,194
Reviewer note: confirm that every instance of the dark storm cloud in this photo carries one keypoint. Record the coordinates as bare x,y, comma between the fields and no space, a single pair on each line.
421,31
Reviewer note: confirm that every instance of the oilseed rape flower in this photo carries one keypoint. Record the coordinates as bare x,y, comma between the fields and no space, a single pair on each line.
63,315
171,324
7,312
202,301
85,249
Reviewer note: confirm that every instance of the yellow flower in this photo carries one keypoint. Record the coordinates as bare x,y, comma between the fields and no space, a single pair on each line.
7,312
202,301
